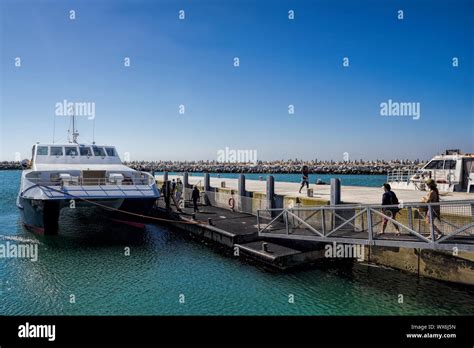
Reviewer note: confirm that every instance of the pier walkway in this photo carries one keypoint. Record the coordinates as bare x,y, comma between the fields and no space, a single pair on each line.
448,225
442,226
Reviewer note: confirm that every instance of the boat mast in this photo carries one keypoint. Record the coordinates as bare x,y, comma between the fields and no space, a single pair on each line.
75,133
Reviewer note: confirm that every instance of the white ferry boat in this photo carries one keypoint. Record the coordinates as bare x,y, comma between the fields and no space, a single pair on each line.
452,172
73,175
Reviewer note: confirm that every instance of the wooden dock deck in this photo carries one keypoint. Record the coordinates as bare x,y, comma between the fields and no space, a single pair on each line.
238,231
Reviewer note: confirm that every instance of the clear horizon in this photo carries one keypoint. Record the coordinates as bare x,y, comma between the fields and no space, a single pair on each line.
284,62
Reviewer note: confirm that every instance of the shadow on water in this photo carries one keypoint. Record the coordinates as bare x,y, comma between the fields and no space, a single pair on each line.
88,228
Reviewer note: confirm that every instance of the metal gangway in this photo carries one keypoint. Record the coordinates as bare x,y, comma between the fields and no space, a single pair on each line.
441,226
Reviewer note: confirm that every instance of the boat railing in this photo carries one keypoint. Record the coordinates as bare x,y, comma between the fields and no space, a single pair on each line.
401,175
418,176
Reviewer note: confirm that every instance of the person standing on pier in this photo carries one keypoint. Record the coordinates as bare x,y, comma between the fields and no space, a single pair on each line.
195,196
179,190
173,186
304,178
389,198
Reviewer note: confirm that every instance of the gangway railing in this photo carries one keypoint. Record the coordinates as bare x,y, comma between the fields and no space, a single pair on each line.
443,226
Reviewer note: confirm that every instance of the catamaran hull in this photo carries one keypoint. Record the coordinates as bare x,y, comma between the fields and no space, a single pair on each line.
42,216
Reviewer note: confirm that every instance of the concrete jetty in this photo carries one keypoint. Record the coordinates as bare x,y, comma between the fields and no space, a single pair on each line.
321,193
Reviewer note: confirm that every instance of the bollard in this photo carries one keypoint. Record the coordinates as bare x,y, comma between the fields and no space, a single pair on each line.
185,180
207,182
207,188
265,247
335,191
270,192
168,195
241,185
241,202
209,221
193,216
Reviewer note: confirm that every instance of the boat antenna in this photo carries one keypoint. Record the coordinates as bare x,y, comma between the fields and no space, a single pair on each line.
74,133
93,130
54,127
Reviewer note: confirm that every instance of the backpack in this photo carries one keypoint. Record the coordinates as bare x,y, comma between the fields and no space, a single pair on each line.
394,201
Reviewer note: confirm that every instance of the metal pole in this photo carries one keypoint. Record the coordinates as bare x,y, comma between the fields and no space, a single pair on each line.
323,227
258,220
410,217
369,224
168,195
430,211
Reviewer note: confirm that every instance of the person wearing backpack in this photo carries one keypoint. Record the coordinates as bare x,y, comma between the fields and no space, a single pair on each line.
389,198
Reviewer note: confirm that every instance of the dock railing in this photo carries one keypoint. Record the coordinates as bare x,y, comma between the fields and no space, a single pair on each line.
418,225
229,199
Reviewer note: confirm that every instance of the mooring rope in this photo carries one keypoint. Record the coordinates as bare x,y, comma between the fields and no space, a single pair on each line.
196,222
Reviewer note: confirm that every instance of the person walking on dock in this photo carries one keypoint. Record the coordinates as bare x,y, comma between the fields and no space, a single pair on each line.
432,197
304,178
389,198
195,196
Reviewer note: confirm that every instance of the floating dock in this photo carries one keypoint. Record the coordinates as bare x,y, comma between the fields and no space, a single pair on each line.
271,223
238,232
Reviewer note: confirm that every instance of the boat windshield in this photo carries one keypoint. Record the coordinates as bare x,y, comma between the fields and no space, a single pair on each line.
71,150
42,151
56,151
436,164
450,164
85,151
98,151
110,151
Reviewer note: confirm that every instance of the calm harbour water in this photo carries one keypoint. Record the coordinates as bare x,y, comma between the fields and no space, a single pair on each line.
87,259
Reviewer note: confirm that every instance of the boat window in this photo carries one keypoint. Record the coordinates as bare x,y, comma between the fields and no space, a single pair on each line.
71,151
110,151
450,164
56,151
98,151
438,164
85,151
42,151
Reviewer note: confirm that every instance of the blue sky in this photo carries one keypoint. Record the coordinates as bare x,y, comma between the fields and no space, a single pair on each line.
282,62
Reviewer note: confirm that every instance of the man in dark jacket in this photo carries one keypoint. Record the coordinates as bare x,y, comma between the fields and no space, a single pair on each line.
195,196
389,198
